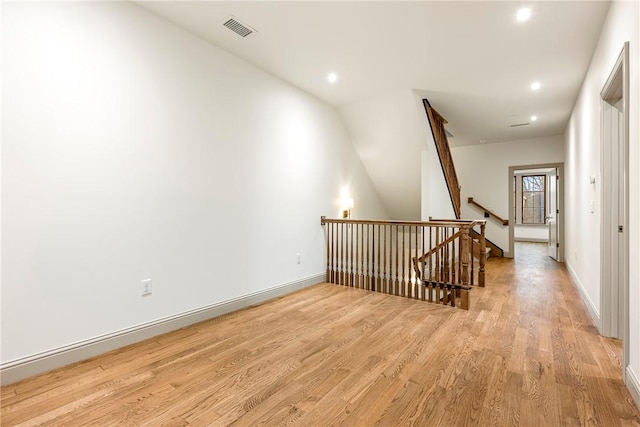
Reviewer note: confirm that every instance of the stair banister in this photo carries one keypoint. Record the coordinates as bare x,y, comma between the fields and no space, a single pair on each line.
487,211
436,123
426,260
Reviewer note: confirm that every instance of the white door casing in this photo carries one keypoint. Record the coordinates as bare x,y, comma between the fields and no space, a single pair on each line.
614,206
552,207
559,216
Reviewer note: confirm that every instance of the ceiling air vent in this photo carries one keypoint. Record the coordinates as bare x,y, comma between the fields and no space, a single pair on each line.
519,124
238,27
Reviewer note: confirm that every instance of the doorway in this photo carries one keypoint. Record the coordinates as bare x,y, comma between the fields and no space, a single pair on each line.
614,239
536,204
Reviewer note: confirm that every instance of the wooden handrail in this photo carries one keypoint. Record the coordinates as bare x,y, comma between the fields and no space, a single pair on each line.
473,222
393,256
437,122
431,223
487,211
432,251
481,243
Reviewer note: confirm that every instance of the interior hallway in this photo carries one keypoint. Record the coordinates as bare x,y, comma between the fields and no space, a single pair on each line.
525,353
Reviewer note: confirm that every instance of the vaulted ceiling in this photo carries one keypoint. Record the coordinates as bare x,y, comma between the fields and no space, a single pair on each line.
473,60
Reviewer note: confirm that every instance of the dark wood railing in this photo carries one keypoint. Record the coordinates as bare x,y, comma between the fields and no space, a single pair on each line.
430,261
487,212
437,122
478,244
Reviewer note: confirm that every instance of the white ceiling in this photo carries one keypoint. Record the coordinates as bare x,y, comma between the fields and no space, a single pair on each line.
472,60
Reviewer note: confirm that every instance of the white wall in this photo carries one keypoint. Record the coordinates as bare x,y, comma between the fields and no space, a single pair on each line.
582,145
389,133
134,150
436,201
483,172
531,233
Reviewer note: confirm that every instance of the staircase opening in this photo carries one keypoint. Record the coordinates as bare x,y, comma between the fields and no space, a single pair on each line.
440,137
436,261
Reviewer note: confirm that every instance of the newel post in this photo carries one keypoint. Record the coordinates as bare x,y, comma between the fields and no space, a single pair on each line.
465,259
483,254
328,239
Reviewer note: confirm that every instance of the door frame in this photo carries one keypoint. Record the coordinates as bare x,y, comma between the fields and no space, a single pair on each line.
560,215
552,178
619,75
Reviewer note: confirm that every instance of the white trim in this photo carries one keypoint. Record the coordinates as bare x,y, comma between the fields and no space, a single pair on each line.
633,385
17,369
593,310
531,240
560,216
614,275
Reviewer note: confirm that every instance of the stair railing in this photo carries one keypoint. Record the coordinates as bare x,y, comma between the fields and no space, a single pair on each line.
437,122
430,261
478,246
487,212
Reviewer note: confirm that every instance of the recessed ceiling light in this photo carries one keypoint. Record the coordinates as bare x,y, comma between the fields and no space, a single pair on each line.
535,85
332,77
534,118
524,13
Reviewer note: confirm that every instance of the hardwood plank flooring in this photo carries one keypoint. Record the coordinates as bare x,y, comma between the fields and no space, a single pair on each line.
526,353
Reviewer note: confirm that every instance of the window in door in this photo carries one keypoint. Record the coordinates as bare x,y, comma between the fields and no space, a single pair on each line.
533,199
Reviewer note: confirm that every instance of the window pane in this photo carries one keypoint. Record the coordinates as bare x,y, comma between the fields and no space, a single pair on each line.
537,218
533,199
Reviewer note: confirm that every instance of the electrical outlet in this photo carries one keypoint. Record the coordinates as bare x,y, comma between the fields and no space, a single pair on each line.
298,259
146,287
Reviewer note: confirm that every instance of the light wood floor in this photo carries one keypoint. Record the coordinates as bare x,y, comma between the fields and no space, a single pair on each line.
525,354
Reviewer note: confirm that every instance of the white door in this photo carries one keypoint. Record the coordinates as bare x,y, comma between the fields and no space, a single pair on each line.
613,217
552,213
614,221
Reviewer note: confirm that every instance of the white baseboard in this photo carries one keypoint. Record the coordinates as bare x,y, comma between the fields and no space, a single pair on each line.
593,310
633,385
531,239
24,367
631,380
